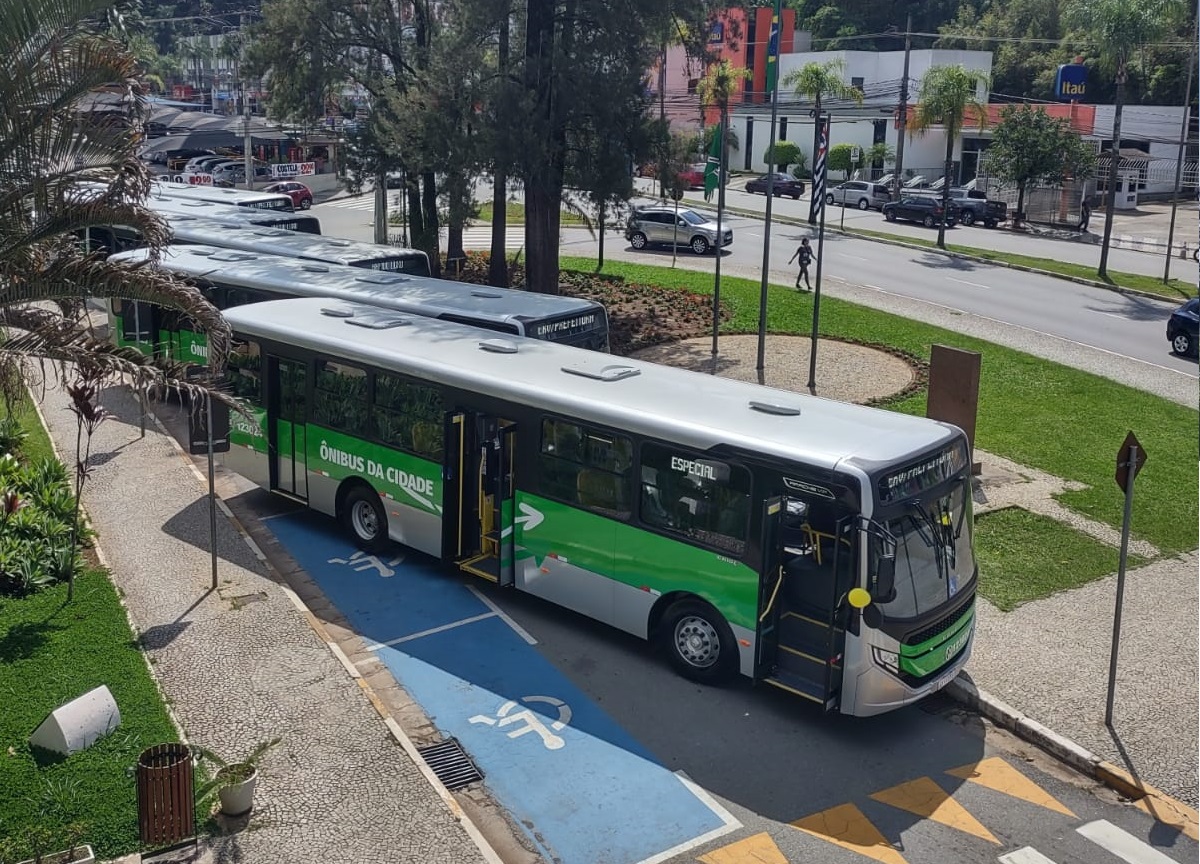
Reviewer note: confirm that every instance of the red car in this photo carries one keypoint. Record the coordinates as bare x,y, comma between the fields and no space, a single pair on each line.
301,195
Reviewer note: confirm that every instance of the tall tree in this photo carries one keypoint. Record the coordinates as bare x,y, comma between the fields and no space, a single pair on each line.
814,82
1030,147
948,95
1120,29
52,155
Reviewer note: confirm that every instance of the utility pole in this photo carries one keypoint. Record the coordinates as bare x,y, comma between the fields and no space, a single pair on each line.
773,83
899,181
1183,136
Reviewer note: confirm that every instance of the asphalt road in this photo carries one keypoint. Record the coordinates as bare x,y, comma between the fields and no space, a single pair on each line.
1114,335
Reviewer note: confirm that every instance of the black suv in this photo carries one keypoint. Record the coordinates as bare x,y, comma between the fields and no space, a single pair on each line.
923,209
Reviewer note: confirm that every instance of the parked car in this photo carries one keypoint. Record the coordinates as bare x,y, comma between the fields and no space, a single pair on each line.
860,194
194,164
655,226
1183,328
974,207
920,208
693,175
783,184
301,195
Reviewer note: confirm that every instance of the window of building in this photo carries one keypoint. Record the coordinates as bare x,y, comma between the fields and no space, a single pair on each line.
857,84
704,500
586,467
408,416
340,397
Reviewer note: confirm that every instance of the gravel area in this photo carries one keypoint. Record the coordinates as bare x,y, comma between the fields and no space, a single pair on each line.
240,665
845,371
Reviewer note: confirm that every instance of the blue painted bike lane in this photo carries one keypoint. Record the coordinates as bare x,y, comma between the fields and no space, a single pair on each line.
583,790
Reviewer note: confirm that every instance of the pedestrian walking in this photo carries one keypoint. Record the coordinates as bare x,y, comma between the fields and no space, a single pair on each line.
803,252
1085,215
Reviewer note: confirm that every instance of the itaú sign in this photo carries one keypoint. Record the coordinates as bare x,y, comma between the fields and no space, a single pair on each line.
1070,84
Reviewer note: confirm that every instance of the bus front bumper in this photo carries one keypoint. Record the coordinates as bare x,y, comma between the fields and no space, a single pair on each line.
877,691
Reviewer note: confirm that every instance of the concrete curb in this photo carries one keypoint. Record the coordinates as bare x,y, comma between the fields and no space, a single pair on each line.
1160,806
738,211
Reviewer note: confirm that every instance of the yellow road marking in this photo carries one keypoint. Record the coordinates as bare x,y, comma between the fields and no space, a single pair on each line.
996,774
759,849
846,826
1171,813
926,798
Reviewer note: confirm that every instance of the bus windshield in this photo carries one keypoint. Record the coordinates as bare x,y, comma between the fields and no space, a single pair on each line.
934,554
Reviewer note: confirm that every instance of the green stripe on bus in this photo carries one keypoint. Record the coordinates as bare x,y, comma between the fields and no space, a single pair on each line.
936,652
406,478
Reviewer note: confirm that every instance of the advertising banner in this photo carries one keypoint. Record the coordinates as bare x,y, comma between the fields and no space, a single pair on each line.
294,169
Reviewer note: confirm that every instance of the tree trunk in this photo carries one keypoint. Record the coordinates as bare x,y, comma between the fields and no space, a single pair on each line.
600,253
416,223
1020,214
456,189
497,266
1110,195
544,176
951,133
428,240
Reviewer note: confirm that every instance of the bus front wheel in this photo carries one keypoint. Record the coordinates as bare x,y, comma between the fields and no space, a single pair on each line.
364,518
700,643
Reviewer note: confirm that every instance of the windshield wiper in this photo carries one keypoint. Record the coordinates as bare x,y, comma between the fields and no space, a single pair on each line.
929,532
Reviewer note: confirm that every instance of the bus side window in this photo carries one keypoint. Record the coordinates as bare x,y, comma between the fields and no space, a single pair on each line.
245,371
702,499
586,467
340,397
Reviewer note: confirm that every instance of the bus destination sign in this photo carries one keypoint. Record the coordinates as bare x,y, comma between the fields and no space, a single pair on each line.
917,478
571,326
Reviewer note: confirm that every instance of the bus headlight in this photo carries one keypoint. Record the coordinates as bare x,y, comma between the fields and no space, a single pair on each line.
888,659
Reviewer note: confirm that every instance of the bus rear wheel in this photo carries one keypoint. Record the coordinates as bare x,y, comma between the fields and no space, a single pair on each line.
363,516
700,643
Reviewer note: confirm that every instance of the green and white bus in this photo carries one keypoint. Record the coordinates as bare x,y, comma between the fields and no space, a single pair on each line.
218,195
820,547
233,277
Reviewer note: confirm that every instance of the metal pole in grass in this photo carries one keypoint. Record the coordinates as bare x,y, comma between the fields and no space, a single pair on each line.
212,491
773,91
1130,459
822,149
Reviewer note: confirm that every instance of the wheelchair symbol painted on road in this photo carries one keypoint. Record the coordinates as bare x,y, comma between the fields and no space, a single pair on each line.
531,721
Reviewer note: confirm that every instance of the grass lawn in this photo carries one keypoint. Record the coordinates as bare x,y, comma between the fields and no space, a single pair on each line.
1176,289
1035,412
1024,556
51,652
37,445
515,214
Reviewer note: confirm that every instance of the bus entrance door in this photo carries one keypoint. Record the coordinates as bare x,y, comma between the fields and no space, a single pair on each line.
800,630
485,489
286,419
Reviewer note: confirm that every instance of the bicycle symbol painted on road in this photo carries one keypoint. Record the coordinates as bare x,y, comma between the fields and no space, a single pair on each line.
533,722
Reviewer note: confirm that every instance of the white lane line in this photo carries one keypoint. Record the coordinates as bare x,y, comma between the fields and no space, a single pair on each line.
1032,330
855,257
410,637
1116,315
1122,844
728,820
965,282
502,615
1028,855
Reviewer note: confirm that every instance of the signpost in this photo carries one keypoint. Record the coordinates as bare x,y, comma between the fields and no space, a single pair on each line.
1130,459
208,432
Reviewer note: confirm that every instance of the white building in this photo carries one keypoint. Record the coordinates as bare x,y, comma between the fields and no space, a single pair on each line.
1149,145
878,75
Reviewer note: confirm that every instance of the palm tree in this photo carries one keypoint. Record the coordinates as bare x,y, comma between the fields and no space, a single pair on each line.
62,171
815,81
1119,29
947,95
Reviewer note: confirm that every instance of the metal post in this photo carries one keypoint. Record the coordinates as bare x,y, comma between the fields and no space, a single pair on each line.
1116,639
247,145
675,234
1183,136
381,225
816,316
212,491
766,259
716,324
899,182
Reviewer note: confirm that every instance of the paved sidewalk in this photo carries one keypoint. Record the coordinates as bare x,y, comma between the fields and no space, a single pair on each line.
241,665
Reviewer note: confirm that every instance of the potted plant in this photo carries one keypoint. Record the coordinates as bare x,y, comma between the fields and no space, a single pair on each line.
40,838
234,782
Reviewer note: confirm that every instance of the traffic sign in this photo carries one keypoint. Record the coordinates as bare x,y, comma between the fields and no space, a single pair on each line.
1129,446
855,154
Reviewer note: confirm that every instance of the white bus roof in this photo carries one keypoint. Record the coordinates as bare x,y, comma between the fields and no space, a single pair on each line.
690,408
222,212
419,295
218,194
239,234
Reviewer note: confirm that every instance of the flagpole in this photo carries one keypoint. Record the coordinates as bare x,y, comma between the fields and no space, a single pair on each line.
716,323
818,168
773,89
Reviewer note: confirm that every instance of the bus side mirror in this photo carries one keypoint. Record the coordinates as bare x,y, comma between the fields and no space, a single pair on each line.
885,579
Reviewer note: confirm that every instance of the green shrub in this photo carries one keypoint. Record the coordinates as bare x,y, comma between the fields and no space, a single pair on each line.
12,436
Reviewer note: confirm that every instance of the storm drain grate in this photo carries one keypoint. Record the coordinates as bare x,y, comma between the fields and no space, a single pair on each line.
451,764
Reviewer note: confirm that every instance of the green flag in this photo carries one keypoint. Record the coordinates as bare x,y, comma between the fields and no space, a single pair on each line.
773,52
712,169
